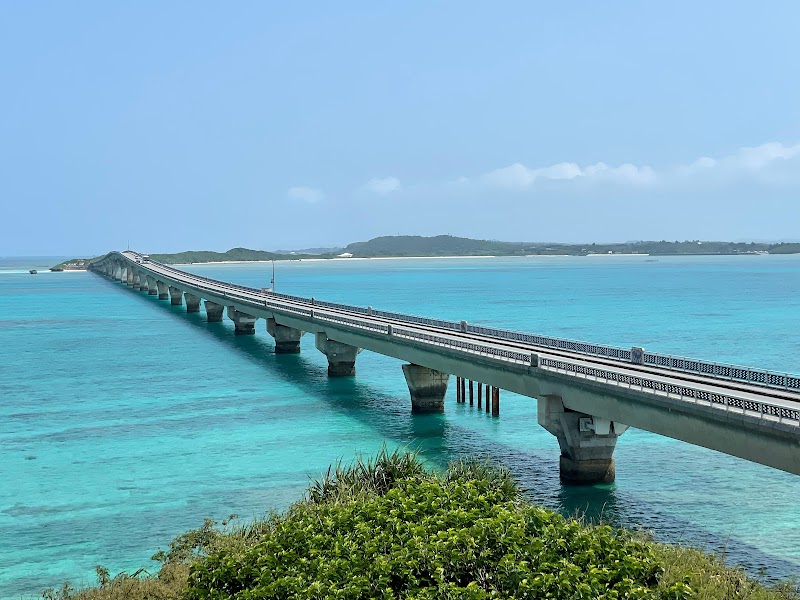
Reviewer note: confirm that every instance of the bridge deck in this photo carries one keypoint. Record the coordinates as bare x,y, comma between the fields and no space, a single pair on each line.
750,413
755,393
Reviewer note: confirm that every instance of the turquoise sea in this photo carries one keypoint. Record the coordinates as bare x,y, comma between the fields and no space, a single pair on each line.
124,421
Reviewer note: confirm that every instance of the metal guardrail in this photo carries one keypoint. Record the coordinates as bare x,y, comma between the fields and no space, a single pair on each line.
481,349
749,375
670,389
684,393
724,371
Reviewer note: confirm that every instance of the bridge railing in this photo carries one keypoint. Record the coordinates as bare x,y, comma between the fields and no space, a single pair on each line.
749,375
687,365
724,371
726,402
681,391
477,348
555,343
360,323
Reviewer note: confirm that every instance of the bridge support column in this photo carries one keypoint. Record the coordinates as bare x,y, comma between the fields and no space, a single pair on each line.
192,303
214,311
427,388
287,339
118,272
243,324
163,294
175,296
152,290
587,443
341,357
137,281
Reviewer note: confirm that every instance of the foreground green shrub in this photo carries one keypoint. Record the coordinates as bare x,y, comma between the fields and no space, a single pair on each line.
461,535
387,528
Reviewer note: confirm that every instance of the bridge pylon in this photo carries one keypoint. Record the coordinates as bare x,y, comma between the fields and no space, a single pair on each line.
587,443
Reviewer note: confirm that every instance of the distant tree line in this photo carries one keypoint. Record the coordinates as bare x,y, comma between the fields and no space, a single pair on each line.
447,245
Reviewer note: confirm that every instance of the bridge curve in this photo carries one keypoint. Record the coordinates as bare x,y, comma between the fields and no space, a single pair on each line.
587,394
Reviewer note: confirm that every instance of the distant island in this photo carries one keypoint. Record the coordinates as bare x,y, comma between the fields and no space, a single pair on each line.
448,245
74,264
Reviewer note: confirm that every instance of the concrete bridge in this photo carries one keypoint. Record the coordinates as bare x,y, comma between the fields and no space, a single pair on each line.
587,394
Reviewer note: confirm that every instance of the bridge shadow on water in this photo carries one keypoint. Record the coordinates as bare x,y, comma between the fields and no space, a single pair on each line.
441,440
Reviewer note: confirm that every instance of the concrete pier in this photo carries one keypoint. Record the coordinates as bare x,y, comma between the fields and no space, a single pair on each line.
175,296
427,388
243,323
287,339
152,289
163,294
341,357
587,443
192,303
214,311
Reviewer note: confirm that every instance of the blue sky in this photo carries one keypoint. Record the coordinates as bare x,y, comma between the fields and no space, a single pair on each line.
199,125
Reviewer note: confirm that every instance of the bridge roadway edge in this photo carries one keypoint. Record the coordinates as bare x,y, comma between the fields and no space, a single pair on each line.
748,436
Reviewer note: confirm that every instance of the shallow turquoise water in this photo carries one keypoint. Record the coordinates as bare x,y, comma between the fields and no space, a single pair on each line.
124,421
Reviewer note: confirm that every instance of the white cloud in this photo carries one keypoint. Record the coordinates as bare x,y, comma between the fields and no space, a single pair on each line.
382,186
305,194
518,176
761,156
762,160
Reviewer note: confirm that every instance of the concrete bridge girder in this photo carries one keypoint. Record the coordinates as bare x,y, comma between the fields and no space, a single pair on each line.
341,357
243,323
287,339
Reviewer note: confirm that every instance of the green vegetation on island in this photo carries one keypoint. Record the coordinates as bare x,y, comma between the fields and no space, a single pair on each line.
73,264
232,255
389,528
448,245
